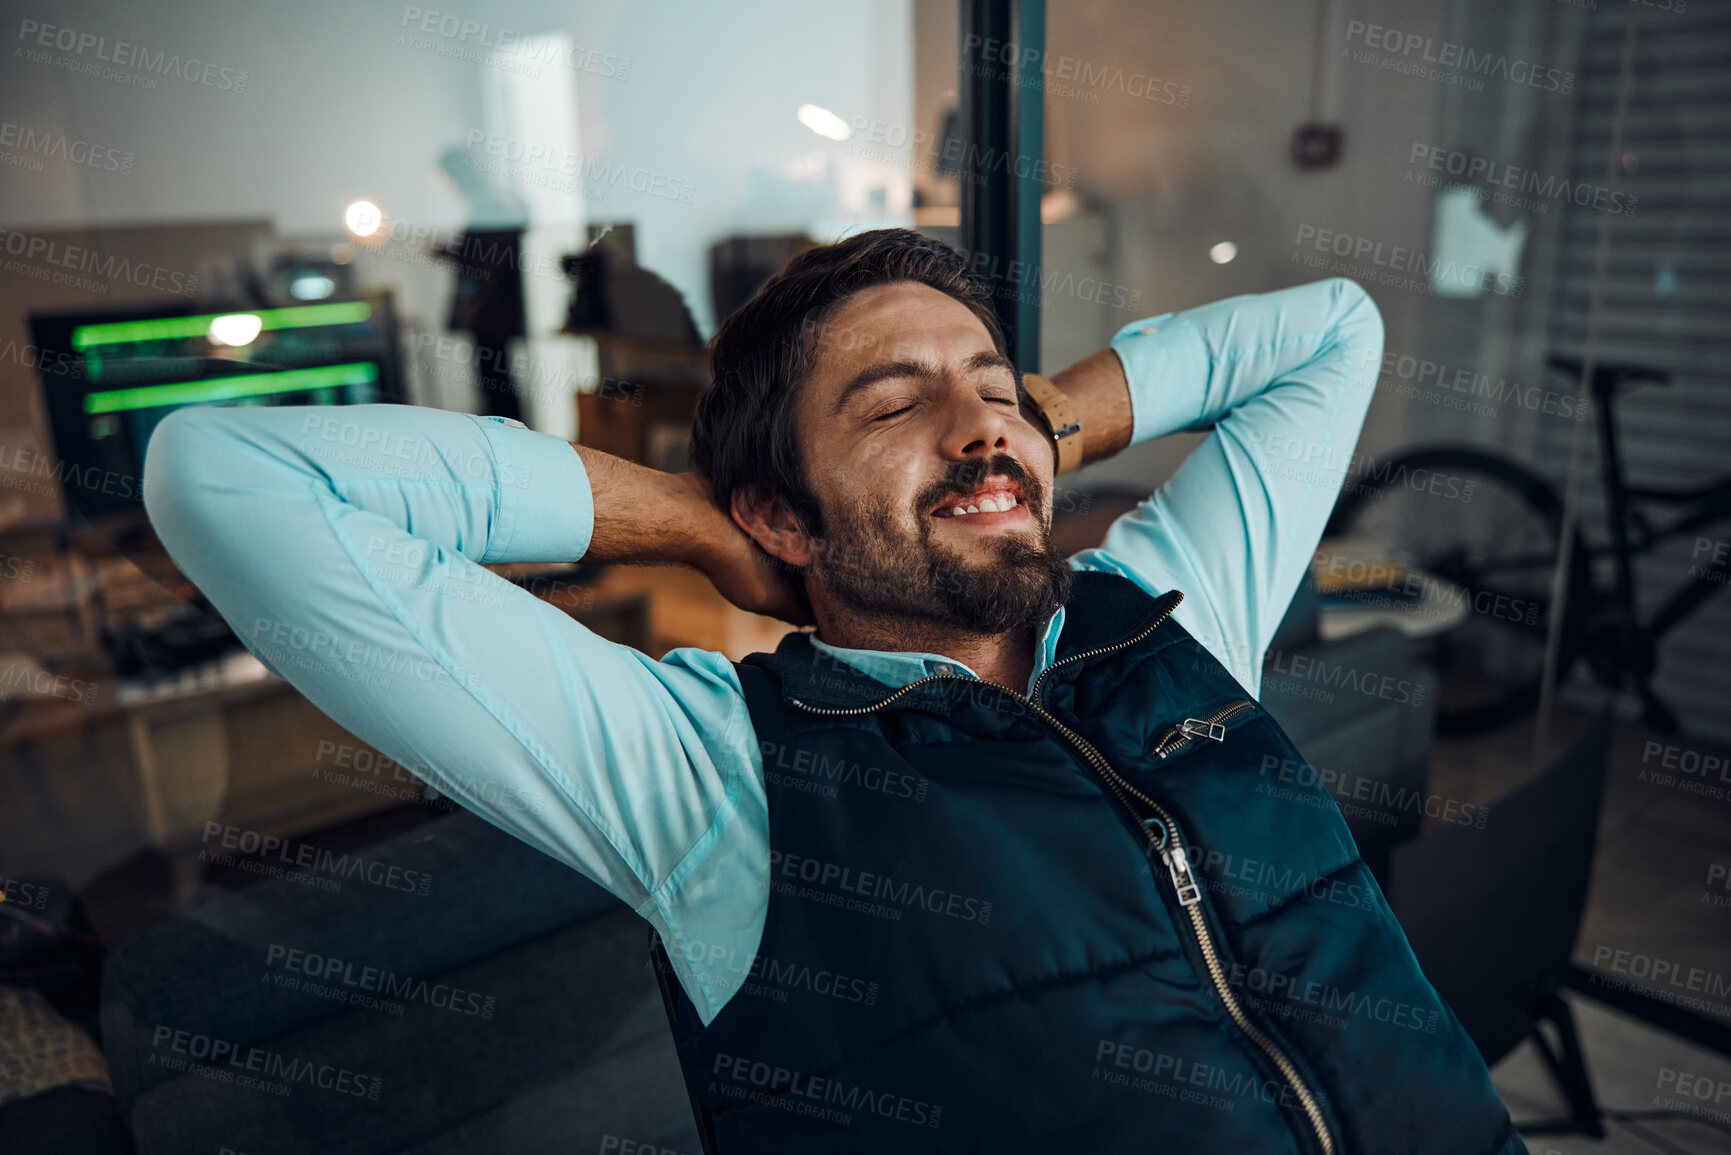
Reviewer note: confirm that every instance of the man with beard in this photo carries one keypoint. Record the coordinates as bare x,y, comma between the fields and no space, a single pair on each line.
982,862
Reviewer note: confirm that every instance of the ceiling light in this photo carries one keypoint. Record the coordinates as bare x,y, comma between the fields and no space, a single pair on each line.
824,122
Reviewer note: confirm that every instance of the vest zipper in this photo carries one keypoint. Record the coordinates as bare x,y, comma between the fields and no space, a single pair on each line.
1173,856
1212,728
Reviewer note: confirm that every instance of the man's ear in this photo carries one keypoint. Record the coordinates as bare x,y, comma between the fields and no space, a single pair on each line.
771,524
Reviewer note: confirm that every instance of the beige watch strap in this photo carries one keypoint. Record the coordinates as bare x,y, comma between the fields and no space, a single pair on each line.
1060,419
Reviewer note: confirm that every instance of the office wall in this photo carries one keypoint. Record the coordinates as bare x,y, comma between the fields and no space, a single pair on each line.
344,100
1175,122
290,114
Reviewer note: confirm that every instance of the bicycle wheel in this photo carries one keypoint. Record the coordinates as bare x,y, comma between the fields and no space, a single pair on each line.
1489,529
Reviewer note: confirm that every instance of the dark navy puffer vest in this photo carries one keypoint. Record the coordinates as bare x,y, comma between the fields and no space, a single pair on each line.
980,937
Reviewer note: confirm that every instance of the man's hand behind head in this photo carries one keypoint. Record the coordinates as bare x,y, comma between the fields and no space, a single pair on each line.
746,575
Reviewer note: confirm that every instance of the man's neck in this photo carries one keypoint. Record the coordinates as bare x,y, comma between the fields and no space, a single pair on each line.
1006,659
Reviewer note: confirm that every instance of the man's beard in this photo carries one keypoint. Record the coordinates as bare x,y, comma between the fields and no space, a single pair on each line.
874,571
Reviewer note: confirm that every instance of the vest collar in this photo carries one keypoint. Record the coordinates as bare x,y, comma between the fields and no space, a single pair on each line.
1104,609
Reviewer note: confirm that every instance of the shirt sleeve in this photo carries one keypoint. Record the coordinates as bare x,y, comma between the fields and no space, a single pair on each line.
1284,379
343,546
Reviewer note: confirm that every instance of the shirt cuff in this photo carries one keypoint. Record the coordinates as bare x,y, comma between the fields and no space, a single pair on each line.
1166,364
545,508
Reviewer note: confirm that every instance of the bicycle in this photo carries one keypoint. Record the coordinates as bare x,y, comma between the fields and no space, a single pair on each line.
1490,667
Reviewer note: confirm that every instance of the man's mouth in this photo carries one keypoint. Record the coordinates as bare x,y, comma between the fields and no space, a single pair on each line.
996,498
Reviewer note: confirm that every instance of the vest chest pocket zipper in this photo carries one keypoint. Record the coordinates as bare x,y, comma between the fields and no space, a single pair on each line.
1192,730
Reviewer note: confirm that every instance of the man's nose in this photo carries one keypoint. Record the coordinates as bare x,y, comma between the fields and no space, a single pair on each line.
975,427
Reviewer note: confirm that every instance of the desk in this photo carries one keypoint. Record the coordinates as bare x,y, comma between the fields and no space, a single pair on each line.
148,764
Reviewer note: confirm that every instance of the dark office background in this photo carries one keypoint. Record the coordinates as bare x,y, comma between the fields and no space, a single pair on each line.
651,163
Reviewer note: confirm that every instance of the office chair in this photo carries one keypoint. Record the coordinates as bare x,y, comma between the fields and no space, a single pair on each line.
670,997
1492,915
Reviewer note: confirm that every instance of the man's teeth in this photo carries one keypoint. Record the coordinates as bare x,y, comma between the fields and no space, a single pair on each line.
985,505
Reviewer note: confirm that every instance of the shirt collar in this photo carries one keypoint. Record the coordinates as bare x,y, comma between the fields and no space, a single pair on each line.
897,668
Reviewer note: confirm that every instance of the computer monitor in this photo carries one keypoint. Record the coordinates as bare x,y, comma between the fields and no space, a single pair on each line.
108,378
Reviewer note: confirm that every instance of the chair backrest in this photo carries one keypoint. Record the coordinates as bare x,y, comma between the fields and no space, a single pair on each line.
665,980
1379,741
1492,914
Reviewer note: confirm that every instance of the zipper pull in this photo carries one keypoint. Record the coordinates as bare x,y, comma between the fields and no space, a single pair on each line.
1203,728
1189,894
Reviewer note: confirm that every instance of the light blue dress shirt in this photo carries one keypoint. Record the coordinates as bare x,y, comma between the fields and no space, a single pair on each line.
342,544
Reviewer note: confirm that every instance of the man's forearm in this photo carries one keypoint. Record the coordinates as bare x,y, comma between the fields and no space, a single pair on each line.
1188,370
644,516
1099,394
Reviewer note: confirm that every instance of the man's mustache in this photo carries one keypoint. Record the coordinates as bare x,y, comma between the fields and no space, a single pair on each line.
967,476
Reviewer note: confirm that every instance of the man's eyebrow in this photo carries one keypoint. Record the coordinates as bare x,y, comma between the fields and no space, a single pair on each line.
990,359
886,370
